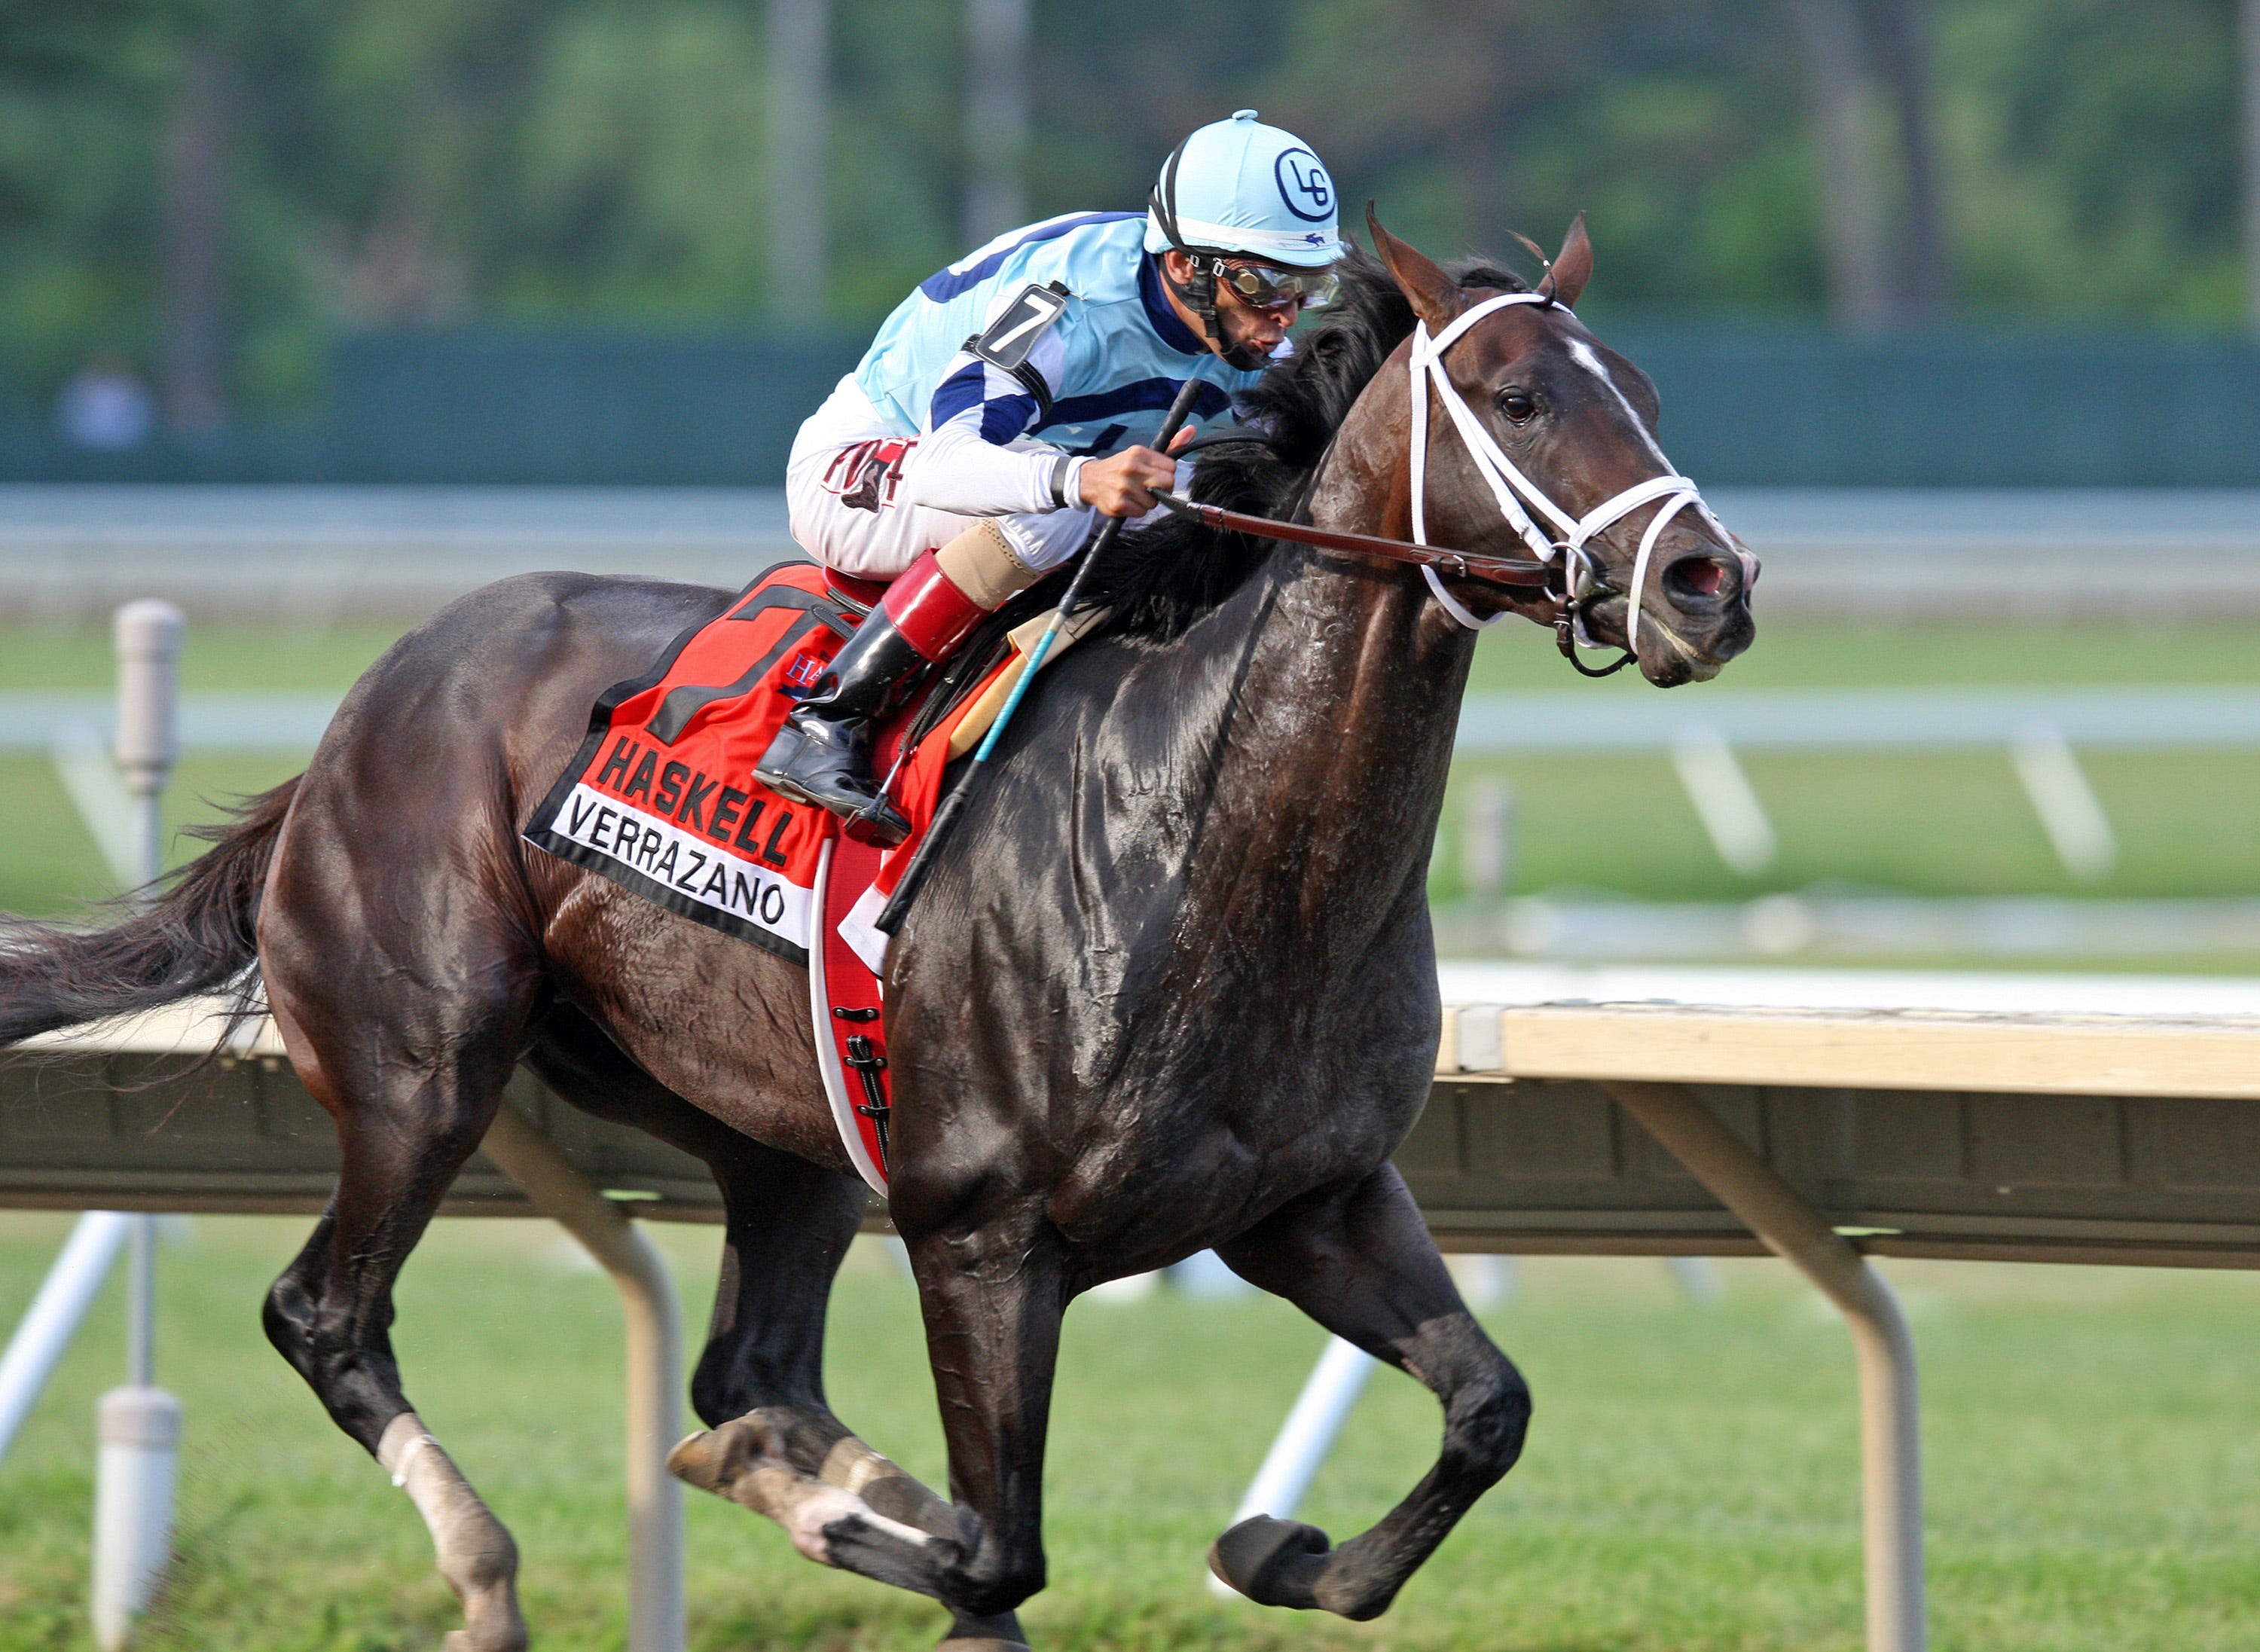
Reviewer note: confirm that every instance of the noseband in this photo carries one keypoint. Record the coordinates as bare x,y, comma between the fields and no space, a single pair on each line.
1582,581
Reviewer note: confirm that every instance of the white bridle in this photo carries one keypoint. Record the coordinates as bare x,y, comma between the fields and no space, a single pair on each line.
1511,488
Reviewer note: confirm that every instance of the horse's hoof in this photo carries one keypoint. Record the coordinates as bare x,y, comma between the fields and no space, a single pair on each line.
1273,1563
505,1635
491,1623
713,1459
1000,1632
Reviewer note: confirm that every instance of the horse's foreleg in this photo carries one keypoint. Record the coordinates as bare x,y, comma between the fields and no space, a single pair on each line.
992,1297
1361,1263
992,1313
843,1504
773,1444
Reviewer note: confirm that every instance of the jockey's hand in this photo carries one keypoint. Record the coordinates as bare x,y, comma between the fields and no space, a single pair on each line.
1123,484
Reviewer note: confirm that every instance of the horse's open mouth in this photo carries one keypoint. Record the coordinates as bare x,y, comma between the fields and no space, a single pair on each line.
1667,657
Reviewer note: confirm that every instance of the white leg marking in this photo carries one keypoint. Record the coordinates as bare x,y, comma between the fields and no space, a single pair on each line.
851,1465
474,1551
734,1461
818,1506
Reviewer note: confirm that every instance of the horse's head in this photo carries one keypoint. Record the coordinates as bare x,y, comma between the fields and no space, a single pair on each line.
1575,471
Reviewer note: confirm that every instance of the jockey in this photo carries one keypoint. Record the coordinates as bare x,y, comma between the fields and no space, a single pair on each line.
1004,406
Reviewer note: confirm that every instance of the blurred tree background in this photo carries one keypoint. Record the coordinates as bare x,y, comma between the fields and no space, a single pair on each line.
280,172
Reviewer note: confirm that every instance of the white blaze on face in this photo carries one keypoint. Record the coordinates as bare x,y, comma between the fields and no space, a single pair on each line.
1582,353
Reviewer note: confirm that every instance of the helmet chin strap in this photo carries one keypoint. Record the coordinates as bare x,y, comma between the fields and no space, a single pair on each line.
1247,357
1197,294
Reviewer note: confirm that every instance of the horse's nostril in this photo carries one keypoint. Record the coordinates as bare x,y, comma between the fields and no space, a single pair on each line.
1696,576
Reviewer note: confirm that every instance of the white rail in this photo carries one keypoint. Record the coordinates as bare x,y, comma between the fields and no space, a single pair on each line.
2038,729
44,1335
2140,716
1702,733
1890,1430
654,1383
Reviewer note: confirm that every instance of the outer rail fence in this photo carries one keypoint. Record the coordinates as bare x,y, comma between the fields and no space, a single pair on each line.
2039,731
1655,1128
307,556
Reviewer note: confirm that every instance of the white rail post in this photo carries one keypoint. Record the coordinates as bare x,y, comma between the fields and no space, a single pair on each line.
45,1332
1725,801
134,1475
995,100
148,636
1486,839
2077,826
139,1426
1891,1429
654,1342
799,205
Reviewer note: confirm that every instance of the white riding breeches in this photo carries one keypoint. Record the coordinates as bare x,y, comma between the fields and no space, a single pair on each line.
844,489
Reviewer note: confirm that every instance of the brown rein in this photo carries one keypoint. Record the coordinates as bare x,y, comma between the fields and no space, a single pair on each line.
1495,570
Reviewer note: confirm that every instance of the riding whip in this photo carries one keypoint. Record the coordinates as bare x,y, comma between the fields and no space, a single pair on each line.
914,875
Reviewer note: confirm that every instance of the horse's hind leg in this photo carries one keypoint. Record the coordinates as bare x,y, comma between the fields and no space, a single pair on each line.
1361,1263
772,1442
412,1086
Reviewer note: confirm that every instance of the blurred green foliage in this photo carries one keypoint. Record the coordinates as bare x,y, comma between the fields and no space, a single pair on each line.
411,161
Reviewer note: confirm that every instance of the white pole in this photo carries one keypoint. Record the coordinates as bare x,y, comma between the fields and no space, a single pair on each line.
1851,216
654,1341
2071,813
1304,1439
141,1304
141,1439
139,1426
1697,1279
1725,801
1486,839
148,636
53,1318
1891,1426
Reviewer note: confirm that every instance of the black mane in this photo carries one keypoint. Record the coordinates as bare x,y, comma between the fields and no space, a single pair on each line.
1160,580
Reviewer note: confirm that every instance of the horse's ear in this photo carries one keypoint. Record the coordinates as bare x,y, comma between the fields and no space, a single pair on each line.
1434,296
1573,266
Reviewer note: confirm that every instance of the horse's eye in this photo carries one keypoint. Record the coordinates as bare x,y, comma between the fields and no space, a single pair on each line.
1517,405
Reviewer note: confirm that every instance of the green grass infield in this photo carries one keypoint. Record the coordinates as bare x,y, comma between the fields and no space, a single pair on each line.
1690,1482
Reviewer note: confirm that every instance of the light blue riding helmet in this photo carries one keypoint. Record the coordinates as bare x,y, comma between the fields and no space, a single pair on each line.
1239,186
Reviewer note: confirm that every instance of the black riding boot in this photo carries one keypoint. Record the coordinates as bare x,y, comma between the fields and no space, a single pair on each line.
820,755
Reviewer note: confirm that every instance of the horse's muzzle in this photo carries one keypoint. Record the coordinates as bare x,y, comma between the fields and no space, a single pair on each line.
1697,614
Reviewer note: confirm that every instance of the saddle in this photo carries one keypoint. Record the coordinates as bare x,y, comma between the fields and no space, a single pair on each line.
660,799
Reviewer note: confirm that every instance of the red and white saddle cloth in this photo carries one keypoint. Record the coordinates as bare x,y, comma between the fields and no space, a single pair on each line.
662,799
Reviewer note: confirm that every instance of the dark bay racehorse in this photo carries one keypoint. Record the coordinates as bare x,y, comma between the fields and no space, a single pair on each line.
1172,987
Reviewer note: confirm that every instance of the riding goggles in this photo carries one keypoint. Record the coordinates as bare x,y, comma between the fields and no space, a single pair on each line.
1267,287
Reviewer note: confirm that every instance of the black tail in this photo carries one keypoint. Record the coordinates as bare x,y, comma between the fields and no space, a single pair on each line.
198,936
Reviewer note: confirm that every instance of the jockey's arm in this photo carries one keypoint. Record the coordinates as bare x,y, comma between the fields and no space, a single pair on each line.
975,463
